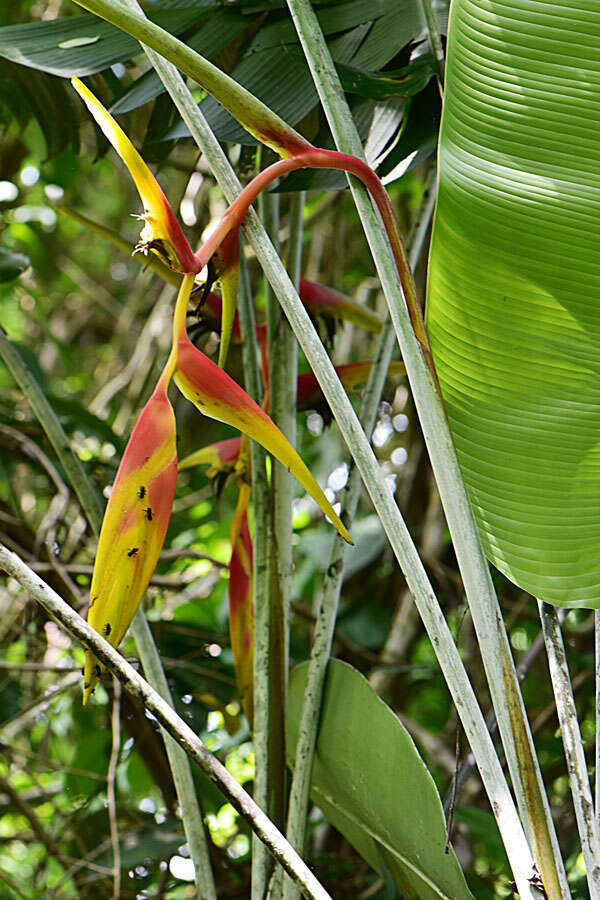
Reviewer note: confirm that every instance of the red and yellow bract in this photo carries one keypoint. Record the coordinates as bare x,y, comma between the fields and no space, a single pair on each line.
134,526
241,603
220,397
162,232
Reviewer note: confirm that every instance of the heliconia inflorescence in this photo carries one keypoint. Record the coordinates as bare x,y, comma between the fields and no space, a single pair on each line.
139,508
323,301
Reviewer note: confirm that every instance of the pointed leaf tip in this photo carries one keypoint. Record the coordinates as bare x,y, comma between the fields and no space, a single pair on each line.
161,233
217,395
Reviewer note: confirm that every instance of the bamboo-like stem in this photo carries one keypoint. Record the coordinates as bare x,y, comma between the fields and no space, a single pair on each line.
61,612
510,828
283,359
91,505
282,375
261,861
332,582
481,596
581,792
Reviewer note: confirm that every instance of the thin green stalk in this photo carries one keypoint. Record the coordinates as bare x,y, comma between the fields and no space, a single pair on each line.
581,792
332,582
510,827
261,861
280,521
283,369
166,716
481,596
92,507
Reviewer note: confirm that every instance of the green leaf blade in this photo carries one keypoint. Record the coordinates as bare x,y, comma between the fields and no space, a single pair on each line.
514,281
369,781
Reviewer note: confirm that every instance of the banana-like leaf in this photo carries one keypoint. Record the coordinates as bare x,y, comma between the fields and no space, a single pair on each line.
514,285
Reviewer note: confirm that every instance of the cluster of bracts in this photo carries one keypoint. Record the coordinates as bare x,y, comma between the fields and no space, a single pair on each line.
141,500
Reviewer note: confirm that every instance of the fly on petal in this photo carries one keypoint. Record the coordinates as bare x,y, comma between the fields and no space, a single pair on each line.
161,233
241,603
134,527
217,395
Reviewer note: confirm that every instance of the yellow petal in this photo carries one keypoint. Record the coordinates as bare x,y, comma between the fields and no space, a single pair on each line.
162,233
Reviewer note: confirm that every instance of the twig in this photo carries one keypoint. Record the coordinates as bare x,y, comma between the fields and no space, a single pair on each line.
13,886
110,787
168,581
11,729
62,613
48,763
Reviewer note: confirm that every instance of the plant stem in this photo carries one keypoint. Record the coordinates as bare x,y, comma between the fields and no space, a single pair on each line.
433,32
110,788
261,862
573,746
141,691
483,603
282,387
510,828
258,119
91,505
332,583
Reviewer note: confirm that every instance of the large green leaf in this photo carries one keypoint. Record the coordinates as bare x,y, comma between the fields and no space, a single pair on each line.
80,45
514,284
373,786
